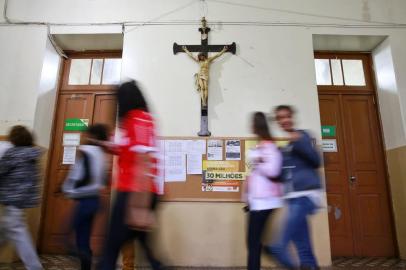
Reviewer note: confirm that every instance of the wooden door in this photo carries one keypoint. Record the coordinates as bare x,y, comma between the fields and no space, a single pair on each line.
369,195
105,107
338,193
97,108
359,209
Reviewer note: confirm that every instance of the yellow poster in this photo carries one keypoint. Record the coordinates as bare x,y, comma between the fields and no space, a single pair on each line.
281,143
220,166
249,144
224,176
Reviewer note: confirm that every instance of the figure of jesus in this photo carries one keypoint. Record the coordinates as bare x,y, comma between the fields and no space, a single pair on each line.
202,77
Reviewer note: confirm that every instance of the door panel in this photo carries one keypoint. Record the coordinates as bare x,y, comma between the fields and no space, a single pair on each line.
98,109
359,210
58,209
338,196
374,235
105,107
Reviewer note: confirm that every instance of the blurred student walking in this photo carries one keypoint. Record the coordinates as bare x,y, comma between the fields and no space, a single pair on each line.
302,188
83,184
136,190
19,189
262,190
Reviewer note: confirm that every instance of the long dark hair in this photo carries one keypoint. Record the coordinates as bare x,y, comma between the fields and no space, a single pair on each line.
130,97
260,126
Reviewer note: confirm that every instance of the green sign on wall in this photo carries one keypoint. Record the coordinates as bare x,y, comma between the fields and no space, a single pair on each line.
328,131
76,124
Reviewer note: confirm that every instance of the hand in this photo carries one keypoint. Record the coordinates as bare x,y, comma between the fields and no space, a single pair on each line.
184,48
225,48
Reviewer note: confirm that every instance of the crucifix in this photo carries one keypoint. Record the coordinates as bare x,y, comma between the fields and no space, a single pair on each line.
202,77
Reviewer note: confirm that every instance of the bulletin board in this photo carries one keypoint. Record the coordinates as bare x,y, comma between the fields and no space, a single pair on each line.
191,189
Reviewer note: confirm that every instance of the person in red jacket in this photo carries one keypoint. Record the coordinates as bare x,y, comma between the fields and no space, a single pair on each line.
137,171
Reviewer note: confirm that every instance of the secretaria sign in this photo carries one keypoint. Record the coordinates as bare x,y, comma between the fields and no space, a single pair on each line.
76,124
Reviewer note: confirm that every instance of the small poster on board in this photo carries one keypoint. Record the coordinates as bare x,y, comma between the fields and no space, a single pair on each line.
233,150
215,150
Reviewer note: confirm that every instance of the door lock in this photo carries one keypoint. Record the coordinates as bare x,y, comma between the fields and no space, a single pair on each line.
352,179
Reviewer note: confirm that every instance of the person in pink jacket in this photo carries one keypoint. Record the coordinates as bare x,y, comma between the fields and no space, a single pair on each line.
262,190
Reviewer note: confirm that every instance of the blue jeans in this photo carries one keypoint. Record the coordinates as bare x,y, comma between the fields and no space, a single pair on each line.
296,230
85,213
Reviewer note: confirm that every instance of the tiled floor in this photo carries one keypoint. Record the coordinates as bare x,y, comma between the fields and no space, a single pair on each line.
55,262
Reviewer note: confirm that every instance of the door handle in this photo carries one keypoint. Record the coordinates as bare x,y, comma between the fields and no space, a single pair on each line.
353,179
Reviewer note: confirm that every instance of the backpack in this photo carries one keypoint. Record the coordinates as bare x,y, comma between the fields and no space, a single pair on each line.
85,180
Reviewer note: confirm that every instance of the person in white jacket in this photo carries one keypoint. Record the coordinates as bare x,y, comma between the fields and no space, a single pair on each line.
262,190
83,184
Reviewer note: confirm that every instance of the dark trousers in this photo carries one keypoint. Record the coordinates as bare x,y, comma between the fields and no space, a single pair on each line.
85,212
256,224
119,234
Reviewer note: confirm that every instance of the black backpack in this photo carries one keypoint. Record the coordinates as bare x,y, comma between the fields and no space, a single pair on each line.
86,176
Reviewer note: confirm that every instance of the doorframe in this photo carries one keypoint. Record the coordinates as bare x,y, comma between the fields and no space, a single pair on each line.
62,77
369,72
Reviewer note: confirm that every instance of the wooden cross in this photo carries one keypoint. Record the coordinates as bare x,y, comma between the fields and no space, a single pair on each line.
204,49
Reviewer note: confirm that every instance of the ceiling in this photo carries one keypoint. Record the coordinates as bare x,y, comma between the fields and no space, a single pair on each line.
346,42
89,42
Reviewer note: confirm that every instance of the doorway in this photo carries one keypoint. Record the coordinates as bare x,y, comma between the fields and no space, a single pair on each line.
359,209
86,95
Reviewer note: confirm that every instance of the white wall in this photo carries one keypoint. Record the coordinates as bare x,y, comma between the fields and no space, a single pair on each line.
392,115
254,79
45,108
21,53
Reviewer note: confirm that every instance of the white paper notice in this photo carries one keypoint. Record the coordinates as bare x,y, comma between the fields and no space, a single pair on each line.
196,147
194,164
175,146
160,178
214,150
69,155
233,150
175,167
71,139
329,145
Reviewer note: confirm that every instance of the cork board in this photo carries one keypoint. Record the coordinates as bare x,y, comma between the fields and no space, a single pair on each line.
191,189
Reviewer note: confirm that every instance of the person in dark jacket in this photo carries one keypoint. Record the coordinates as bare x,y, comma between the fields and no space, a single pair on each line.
19,189
302,192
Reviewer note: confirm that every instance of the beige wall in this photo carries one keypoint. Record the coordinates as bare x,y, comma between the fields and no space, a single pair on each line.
397,174
213,234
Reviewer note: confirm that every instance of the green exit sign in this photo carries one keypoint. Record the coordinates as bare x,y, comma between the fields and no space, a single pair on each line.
76,124
328,131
